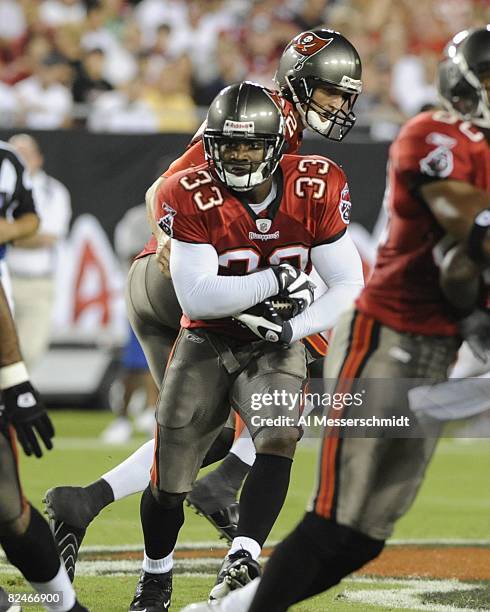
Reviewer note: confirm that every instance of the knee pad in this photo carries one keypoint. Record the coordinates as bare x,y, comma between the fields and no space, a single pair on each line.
168,501
277,441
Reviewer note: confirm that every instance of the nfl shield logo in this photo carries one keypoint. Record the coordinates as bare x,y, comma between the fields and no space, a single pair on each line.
263,225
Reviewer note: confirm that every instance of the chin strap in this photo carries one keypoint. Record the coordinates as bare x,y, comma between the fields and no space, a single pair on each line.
247,181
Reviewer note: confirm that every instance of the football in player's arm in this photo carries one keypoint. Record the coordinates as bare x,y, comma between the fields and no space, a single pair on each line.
245,227
318,82
198,268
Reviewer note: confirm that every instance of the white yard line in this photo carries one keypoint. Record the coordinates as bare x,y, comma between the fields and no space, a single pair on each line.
407,594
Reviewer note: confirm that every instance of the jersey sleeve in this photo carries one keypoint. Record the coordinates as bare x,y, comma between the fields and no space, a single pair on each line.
193,156
293,129
178,215
430,149
333,211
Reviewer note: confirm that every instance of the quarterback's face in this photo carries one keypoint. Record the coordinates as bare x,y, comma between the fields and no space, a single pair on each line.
328,98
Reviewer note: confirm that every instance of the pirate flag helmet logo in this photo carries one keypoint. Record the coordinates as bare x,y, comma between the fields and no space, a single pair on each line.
308,44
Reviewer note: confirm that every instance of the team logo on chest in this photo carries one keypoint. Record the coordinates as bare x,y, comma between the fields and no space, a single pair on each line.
263,225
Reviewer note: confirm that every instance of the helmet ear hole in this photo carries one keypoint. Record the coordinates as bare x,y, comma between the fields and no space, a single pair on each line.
301,90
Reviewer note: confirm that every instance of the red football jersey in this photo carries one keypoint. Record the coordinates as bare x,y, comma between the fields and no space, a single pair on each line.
194,154
403,291
312,207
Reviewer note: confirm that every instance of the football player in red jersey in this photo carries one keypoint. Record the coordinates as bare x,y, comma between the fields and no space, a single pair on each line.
402,328
319,80
234,222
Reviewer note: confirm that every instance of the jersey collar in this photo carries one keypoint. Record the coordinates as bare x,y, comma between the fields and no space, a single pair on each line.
271,211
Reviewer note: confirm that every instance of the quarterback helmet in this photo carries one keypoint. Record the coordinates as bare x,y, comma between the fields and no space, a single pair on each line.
464,76
244,113
321,58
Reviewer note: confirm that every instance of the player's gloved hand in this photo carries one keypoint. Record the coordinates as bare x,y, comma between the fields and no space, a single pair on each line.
267,324
25,411
475,329
294,284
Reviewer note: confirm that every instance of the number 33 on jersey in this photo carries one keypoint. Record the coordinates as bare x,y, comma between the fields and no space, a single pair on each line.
311,207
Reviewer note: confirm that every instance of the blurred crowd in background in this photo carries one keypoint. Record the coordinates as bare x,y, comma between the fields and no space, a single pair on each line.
154,66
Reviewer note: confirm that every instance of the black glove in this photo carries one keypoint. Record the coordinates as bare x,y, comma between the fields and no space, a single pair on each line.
294,284
25,411
475,329
267,323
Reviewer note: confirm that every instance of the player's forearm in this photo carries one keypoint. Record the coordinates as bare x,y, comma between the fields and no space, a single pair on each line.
9,345
22,227
325,312
205,295
455,205
215,297
37,241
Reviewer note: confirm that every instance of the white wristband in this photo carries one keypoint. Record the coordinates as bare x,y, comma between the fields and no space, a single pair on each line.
13,374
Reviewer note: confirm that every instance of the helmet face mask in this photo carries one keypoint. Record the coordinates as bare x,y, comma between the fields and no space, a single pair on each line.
242,172
321,59
330,121
464,77
244,136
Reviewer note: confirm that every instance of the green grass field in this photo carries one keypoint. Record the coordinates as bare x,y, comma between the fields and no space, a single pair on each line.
454,504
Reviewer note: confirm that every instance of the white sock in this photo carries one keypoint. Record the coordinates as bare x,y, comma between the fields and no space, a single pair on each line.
133,474
244,448
243,543
158,566
60,588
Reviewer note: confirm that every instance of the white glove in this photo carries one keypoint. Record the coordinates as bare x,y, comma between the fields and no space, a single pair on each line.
266,323
294,284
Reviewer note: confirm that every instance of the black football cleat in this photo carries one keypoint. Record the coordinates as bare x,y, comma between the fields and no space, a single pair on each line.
237,570
153,593
225,520
69,516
